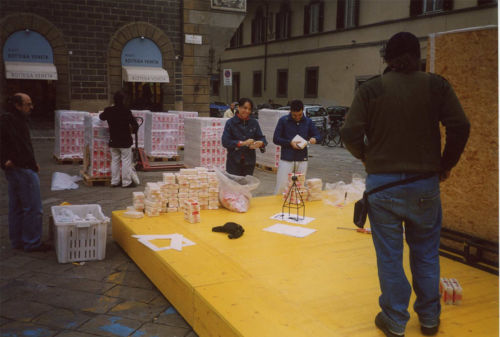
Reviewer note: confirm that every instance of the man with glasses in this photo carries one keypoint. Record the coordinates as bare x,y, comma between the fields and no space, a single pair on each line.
17,159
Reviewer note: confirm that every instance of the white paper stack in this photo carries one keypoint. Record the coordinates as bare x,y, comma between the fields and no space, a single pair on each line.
182,115
138,199
69,134
140,133
161,134
314,187
153,199
203,145
268,119
294,197
96,141
191,211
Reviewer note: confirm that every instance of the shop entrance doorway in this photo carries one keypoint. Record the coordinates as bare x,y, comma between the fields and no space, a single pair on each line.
144,96
43,96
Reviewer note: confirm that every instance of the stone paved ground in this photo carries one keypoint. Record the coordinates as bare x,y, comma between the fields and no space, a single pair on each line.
40,297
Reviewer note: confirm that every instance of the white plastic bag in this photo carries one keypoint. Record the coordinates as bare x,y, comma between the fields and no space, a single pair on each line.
63,181
235,191
339,194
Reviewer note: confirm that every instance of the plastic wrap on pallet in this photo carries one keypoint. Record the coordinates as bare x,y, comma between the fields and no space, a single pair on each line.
96,141
161,134
69,134
268,119
140,133
203,146
182,115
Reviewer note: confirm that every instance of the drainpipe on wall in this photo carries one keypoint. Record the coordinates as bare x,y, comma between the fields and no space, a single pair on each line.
265,46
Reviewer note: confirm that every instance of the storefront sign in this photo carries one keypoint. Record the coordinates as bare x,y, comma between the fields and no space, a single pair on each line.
141,52
27,46
228,77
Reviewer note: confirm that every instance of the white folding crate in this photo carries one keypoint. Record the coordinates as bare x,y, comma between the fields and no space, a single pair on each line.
80,232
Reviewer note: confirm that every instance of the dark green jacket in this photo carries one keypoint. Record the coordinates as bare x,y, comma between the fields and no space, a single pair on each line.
393,124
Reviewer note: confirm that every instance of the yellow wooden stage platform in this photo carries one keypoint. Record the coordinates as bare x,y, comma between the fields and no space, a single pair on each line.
267,284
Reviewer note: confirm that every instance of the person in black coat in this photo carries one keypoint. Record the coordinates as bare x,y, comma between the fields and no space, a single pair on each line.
241,136
121,126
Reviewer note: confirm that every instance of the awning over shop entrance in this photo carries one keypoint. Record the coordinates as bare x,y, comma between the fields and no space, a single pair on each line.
145,74
30,71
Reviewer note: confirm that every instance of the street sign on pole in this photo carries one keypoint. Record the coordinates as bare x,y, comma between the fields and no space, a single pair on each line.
228,77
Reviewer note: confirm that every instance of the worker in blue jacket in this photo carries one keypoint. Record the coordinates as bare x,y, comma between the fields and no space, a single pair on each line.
293,155
241,136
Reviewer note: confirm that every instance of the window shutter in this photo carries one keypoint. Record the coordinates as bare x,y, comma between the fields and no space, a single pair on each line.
321,16
253,31
340,14
356,12
447,5
307,18
416,7
288,18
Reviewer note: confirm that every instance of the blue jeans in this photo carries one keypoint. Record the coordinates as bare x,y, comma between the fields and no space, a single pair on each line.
25,208
418,206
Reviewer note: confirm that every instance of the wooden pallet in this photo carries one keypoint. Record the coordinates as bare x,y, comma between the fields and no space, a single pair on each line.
153,159
267,168
94,181
62,161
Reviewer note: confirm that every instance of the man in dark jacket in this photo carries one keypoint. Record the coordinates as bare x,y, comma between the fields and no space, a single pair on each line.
121,125
21,170
241,136
293,155
393,127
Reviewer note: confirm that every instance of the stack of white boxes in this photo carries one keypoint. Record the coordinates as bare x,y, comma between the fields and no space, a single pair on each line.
182,115
314,187
140,133
139,201
203,146
69,134
191,210
96,143
294,197
153,199
268,119
161,134
178,190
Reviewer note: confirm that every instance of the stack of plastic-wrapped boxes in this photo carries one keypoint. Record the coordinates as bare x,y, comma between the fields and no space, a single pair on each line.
182,115
69,134
161,134
177,192
203,146
97,161
140,133
268,119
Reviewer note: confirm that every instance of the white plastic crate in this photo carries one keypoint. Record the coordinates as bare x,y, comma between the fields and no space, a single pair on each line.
80,232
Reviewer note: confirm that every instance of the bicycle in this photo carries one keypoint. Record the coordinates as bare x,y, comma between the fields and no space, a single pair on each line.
333,137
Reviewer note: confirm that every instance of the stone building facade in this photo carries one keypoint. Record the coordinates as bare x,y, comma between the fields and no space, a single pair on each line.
88,37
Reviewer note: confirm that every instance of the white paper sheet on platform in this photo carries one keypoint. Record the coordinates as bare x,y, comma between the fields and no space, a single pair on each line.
292,218
177,241
296,231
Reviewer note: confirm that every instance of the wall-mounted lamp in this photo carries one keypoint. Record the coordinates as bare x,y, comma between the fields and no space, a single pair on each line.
142,37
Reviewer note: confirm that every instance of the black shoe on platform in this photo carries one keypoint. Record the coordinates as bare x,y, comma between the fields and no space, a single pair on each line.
382,325
430,331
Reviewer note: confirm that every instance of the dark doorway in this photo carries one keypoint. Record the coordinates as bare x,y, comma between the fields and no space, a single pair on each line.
236,87
144,96
43,96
